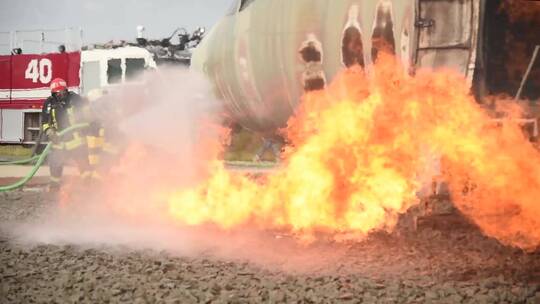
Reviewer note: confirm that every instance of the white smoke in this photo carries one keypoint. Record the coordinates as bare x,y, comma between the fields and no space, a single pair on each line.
169,113
162,109
165,115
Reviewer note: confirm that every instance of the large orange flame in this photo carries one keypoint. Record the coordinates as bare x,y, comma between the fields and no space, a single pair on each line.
360,151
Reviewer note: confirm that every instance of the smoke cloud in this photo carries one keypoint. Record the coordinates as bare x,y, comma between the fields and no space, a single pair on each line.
167,126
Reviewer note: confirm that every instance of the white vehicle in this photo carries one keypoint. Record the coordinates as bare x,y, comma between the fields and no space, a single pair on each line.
107,68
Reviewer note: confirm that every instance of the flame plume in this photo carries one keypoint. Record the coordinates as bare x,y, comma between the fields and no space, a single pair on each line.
359,152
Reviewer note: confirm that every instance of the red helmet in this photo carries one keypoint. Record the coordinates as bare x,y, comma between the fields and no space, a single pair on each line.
57,85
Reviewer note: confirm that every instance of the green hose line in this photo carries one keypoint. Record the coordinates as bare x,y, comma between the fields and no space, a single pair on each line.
20,161
40,160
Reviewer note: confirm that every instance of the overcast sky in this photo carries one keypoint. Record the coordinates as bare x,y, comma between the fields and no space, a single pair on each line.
103,20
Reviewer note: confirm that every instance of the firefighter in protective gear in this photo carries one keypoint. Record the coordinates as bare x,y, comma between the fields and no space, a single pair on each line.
102,151
59,112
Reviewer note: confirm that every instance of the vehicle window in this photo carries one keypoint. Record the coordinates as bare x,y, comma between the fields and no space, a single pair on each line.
114,71
245,4
134,67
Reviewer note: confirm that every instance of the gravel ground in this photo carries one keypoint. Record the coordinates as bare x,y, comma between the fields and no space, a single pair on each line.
445,261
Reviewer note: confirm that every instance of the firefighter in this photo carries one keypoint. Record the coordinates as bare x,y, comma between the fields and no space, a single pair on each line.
94,140
102,150
59,112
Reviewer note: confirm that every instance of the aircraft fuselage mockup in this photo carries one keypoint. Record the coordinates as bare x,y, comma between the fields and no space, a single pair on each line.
264,54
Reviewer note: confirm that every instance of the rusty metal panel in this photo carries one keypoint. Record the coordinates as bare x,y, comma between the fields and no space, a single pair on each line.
458,59
445,23
447,34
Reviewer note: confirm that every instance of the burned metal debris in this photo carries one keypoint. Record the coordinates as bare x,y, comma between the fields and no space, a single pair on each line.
165,51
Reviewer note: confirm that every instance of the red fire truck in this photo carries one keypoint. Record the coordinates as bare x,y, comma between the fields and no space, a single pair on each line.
25,78
24,85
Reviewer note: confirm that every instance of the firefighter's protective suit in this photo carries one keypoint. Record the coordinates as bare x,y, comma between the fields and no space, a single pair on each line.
59,112
102,150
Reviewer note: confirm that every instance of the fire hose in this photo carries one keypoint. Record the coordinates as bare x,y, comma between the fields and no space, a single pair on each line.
34,155
39,160
20,161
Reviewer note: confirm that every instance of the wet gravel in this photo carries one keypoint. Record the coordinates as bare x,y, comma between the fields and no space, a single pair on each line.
446,261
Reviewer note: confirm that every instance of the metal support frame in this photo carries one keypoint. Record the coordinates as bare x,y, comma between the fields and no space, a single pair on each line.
42,40
527,72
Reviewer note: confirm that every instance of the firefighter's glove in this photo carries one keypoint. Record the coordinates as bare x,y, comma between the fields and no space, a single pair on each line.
53,135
